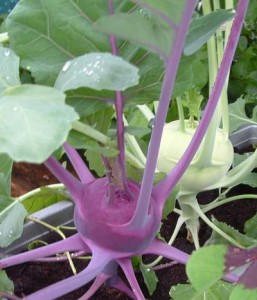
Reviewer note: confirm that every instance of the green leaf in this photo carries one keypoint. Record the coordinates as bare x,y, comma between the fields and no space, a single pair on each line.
164,8
206,266
238,115
9,69
5,174
87,101
44,198
46,34
240,292
250,227
99,71
6,285
202,28
150,33
219,291
11,221
242,239
95,162
150,279
35,112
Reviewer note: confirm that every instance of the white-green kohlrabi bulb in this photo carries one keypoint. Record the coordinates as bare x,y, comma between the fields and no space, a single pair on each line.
198,177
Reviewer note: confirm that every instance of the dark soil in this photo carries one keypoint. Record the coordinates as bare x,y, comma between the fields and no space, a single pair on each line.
33,276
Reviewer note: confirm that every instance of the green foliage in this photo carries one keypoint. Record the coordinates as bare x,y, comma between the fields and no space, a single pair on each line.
206,266
219,291
6,285
44,198
238,117
9,69
244,240
240,292
98,71
12,215
37,110
250,227
204,27
150,278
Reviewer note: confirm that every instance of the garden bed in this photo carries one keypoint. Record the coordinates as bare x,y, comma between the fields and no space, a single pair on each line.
33,276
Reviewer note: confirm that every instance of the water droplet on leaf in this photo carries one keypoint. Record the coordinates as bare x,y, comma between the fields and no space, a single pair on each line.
7,52
66,66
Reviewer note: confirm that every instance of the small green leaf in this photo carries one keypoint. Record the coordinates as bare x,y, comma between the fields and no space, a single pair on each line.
40,122
206,266
9,69
242,239
11,221
99,71
6,285
238,117
95,162
202,28
250,227
45,197
150,278
240,292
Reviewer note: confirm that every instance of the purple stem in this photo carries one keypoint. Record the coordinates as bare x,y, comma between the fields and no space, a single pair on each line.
79,165
127,268
74,186
63,257
70,244
166,93
163,188
163,249
120,285
119,112
100,280
65,286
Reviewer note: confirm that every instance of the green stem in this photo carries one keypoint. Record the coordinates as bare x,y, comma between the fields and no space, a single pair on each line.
133,145
146,112
181,114
55,186
201,214
58,231
91,132
227,200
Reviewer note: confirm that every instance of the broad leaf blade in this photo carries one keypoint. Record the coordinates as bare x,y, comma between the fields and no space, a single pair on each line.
149,33
9,69
203,28
240,292
28,114
206,266
5,174
11,221
46,34
150,279
99,71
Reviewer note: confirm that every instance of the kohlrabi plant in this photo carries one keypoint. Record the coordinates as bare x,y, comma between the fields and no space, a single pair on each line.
91,62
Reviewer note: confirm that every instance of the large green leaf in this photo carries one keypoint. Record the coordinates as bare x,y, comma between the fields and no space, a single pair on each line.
35,122
152,34
46,34
240,292
99,71
206,266
11,220
202,28
9,69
